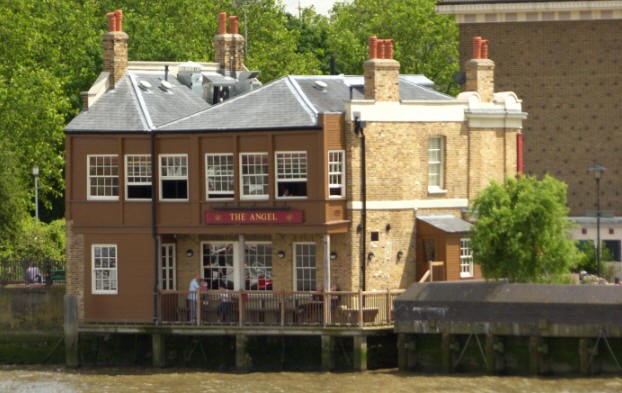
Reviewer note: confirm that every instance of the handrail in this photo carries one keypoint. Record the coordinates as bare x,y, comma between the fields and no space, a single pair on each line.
277,308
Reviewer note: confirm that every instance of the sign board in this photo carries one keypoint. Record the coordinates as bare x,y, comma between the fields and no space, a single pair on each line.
262,216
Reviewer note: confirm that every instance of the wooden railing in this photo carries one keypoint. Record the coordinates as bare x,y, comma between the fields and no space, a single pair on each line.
277,308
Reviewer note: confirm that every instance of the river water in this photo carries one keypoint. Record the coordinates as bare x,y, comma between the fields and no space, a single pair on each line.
39,379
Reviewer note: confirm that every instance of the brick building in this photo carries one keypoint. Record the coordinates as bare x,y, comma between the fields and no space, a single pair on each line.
563,58
358,182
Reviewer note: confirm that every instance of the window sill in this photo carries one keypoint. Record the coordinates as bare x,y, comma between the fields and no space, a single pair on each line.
466,275
436,191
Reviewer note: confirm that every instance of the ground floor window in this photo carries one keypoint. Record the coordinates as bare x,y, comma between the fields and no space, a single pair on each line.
614,249
305,267
466,258
167,267
217,264
258,266
104,278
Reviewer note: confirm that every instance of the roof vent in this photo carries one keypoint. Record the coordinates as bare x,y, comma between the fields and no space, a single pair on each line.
144,85
165,85
320,85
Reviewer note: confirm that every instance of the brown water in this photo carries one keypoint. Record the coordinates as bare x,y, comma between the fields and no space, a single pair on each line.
109,380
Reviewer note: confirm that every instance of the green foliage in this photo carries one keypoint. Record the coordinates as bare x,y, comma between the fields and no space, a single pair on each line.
425,42
521,232
37,241
587,257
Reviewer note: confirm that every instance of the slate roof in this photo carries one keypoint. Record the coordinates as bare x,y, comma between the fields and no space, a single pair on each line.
291,102
447,223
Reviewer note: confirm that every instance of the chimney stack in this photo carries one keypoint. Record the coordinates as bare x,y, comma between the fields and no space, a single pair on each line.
115,47
229,48
382,72
480,71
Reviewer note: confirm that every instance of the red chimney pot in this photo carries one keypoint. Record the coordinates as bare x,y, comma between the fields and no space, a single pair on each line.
111,21
118,15
371,42
233,24
477,47
484,51
388,49
222,23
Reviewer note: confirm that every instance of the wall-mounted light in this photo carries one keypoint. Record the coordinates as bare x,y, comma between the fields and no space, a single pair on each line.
359,125
333,255
189,252
388,227
370,256
359,228
280,254
400,254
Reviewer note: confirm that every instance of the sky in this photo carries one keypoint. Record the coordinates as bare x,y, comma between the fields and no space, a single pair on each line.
321,6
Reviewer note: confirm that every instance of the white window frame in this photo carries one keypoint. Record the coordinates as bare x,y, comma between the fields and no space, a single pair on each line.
112,271
168,267
114,177
268,268
291,167
246,177
182,175
336,173
436,165
466,258
299,251
220,175
142,176
231,272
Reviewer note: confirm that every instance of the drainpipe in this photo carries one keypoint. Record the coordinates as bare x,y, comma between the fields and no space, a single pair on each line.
359,127
154,232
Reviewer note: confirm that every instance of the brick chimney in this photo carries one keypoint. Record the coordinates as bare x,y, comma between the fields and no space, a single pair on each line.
115,47
480,71
382,73
229,48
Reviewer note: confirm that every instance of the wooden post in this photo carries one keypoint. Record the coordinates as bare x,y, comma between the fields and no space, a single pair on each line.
242,359
72,358
446,365
489,350
406,355
327,353
359,357
534,355
158,348
584,356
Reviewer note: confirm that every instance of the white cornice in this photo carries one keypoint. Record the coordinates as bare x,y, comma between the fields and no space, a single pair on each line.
533,11
450,203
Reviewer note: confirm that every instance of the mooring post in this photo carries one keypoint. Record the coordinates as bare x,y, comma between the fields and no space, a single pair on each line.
158,344
359,357
70,326
327,353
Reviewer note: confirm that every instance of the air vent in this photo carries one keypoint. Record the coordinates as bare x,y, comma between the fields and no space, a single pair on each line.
144,85
320,85
166,86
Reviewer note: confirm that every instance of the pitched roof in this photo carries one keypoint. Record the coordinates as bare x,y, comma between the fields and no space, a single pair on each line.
447,223
140,103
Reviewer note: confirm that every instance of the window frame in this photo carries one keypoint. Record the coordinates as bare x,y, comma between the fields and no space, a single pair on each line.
163,178
341,173
268,269
295,175
312,269
168,267
243,176
128,184
466,258
90,177
94,270
221,179
436,164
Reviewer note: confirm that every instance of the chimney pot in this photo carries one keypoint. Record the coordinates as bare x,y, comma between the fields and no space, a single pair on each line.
388,49
112,25
380,49
484,49
222,23
233,24
371,42
477,47
118,15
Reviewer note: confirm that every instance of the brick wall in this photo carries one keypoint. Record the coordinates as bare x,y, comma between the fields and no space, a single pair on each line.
74,273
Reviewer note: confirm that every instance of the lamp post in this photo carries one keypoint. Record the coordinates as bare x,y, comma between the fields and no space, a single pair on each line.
597,170
35,173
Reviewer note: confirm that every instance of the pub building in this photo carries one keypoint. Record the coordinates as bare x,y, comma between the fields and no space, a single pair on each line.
306,183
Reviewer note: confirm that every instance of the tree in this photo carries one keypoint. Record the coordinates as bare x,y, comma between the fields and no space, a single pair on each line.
521,230
425,42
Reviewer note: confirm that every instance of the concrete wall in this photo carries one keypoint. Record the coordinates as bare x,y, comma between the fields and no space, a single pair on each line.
31,308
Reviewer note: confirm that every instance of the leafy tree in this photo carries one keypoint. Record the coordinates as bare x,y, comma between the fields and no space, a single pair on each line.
521,232
424,41
587,257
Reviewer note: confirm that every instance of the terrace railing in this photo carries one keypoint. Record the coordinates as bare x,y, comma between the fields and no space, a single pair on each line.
277,308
